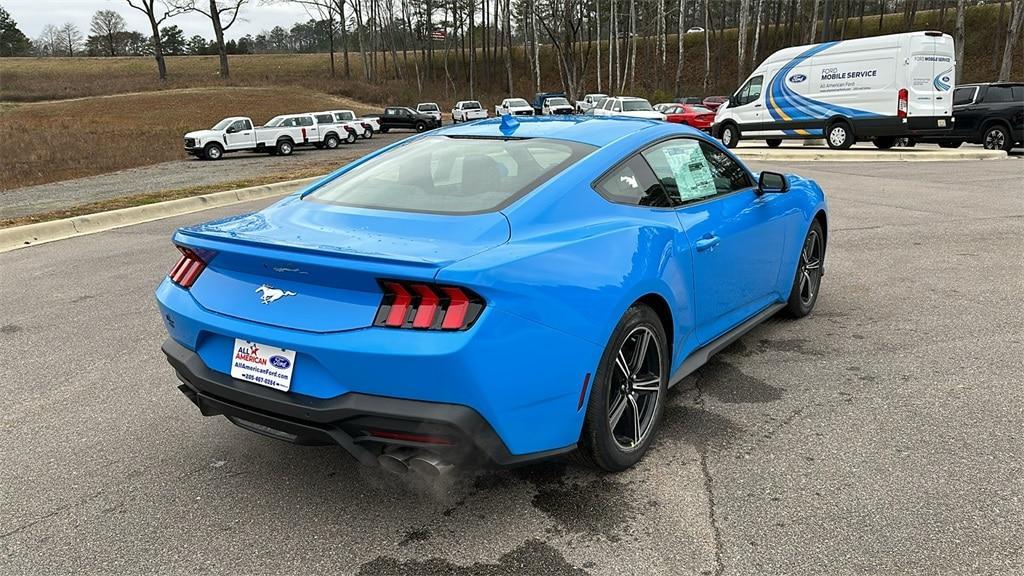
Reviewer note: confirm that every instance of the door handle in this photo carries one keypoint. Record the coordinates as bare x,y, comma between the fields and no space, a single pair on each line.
707,243
757,105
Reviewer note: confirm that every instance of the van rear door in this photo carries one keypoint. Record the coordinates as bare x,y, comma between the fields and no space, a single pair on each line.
931,75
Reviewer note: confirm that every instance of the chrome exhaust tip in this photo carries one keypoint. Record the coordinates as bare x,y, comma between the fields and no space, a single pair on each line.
396,461
429,466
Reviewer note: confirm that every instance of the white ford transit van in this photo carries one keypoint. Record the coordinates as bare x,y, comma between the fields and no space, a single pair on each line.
877,89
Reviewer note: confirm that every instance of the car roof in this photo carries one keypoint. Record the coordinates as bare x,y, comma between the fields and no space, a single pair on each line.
593,130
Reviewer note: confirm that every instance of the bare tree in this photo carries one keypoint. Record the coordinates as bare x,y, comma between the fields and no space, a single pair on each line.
70,38
1013,33
707,43
217,11
49,42
156,12
814,22
741,39
681,47
959,41
108,25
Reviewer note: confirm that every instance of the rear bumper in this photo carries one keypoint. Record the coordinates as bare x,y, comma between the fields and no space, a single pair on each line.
362,424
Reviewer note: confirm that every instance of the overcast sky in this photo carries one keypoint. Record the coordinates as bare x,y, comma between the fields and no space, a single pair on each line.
33,15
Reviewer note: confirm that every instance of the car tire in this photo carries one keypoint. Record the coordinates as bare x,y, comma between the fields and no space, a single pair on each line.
810,268
622,418
213,151
367,134
331,142
997,138
351,138
384,129
421,126
730,135
839,136
285,148
773,142
884,142
950,144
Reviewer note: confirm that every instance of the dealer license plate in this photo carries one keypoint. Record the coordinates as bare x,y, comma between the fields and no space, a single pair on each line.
263,364
942,123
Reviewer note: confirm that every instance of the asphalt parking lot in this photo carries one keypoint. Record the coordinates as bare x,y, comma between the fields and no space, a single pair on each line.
880,435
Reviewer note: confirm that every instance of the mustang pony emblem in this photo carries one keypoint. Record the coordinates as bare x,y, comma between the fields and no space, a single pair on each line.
272,294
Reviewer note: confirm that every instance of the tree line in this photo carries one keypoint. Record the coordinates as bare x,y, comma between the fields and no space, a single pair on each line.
607,45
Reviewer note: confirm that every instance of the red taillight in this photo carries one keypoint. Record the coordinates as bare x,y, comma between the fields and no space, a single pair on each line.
901,106
188,268
427,306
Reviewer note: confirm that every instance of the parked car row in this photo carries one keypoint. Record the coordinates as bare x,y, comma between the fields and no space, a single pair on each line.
280,135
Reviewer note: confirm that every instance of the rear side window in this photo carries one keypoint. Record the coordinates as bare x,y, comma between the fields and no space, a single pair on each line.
324,118
1018,93
443,174
633,183
997,94
964,95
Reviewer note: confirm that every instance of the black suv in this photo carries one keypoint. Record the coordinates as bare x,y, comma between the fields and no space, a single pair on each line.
990,114
401,117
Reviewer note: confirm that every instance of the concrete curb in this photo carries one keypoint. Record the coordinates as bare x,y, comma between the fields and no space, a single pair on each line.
896,155
32,234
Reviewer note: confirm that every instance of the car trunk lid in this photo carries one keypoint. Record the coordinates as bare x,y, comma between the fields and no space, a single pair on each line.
316,267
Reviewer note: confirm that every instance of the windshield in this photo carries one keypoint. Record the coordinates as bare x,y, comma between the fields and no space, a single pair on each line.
517,103
636,106
557,102
470,105
428,107
223,124
451,175
274,121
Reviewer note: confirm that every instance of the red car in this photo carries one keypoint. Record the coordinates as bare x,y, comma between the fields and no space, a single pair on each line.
690,114
713,102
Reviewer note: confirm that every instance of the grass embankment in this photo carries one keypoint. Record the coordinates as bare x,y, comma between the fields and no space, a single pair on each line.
53,141
34,79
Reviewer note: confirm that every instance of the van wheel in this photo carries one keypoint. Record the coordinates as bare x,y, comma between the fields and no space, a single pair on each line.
773,142
213,151
997,138
730,135
884,142
331,142
285,148
839,136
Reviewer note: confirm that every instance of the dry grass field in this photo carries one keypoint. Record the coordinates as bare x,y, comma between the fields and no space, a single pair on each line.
87,136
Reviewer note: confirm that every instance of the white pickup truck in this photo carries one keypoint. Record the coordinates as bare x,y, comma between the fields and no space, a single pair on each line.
237,133
332,132
366,126
467,110
513,106
588,102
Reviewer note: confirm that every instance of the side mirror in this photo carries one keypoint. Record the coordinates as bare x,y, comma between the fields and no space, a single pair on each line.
231,130
772,183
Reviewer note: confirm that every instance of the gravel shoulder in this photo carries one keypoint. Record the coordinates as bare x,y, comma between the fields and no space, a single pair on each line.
177,175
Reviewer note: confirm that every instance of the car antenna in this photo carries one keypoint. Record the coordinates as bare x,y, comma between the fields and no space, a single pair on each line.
508,124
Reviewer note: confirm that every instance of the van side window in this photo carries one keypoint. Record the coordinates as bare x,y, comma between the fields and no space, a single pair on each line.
751,91
633,183
964,95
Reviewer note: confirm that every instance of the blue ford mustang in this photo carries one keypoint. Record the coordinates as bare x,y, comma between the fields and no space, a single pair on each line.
508,289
